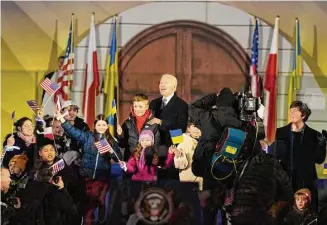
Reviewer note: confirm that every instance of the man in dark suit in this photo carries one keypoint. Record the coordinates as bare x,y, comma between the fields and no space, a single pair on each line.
171,112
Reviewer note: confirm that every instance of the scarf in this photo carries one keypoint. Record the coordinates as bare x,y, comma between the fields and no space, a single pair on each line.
140,120
27,139
142,159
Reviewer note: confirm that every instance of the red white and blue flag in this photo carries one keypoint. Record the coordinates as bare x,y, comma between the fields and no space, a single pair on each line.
65,74
58,166
255,79
49,86
103,146
13,114
32,104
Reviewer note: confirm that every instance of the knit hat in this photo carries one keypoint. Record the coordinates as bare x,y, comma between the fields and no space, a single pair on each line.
147,134
20,161
304,191
225,98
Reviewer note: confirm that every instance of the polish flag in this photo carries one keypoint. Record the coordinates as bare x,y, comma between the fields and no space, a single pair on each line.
48,133
270,86
91,87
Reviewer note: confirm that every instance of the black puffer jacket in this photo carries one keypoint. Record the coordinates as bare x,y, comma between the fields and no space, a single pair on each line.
263,184
130,136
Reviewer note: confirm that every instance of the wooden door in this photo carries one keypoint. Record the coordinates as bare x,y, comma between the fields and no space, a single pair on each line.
202,57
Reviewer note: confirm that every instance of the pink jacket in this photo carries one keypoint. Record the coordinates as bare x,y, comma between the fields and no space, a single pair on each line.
141,173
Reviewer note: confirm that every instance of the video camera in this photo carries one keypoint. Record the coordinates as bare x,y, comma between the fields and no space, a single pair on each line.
247,106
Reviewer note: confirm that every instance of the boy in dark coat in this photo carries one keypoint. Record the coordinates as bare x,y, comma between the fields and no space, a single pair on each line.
301,213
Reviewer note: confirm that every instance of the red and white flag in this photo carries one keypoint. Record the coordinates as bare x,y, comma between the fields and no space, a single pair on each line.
270,86
58,105
48,133
91,86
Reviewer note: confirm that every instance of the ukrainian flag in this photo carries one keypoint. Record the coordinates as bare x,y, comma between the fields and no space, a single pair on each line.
176,136
111,117
324,172
296,76
111,82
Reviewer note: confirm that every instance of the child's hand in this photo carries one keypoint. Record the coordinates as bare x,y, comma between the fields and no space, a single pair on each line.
172,149
40,112
119,129
122,165
11,141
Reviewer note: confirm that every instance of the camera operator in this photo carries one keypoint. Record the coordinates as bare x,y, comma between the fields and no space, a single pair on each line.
299,147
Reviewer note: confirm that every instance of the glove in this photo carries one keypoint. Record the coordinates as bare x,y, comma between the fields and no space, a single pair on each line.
324,133
321,139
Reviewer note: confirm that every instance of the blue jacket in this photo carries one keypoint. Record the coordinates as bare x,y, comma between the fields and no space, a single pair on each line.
94,165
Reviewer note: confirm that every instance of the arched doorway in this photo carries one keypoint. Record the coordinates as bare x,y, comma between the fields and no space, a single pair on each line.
202,57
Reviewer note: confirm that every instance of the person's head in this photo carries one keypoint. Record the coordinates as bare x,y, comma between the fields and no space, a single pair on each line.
71,108
168,85
60,61
25,126
299,112
193,131
17,165
101,127
57,129
47,153
226,98
302,198
140,104
146,138
5,179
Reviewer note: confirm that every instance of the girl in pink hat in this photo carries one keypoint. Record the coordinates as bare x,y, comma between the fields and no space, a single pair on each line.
144,160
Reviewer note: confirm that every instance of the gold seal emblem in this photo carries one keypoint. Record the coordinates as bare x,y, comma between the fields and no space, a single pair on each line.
154,206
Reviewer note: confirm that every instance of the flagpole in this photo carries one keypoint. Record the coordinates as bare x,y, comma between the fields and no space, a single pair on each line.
117,72
69,60
12,124
47,101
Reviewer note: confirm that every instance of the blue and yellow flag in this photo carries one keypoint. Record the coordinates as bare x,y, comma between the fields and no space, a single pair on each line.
176,136
324,172
111,117
296,76
111,81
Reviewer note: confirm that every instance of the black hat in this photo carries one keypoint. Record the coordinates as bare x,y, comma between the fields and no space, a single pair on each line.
226,98
43,141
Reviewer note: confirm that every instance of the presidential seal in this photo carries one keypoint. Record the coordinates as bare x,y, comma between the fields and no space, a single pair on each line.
154,206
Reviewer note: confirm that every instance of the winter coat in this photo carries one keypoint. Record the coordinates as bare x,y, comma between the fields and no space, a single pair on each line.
129,139
144,172
184,163
94,165
309,152
262,185
43,204
18,148
297,217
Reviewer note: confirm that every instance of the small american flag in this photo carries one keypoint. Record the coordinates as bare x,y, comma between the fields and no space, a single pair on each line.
32,104
58,166
49,86
103,146
229,197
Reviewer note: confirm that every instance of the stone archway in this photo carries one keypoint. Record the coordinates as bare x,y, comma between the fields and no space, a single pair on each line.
203,58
